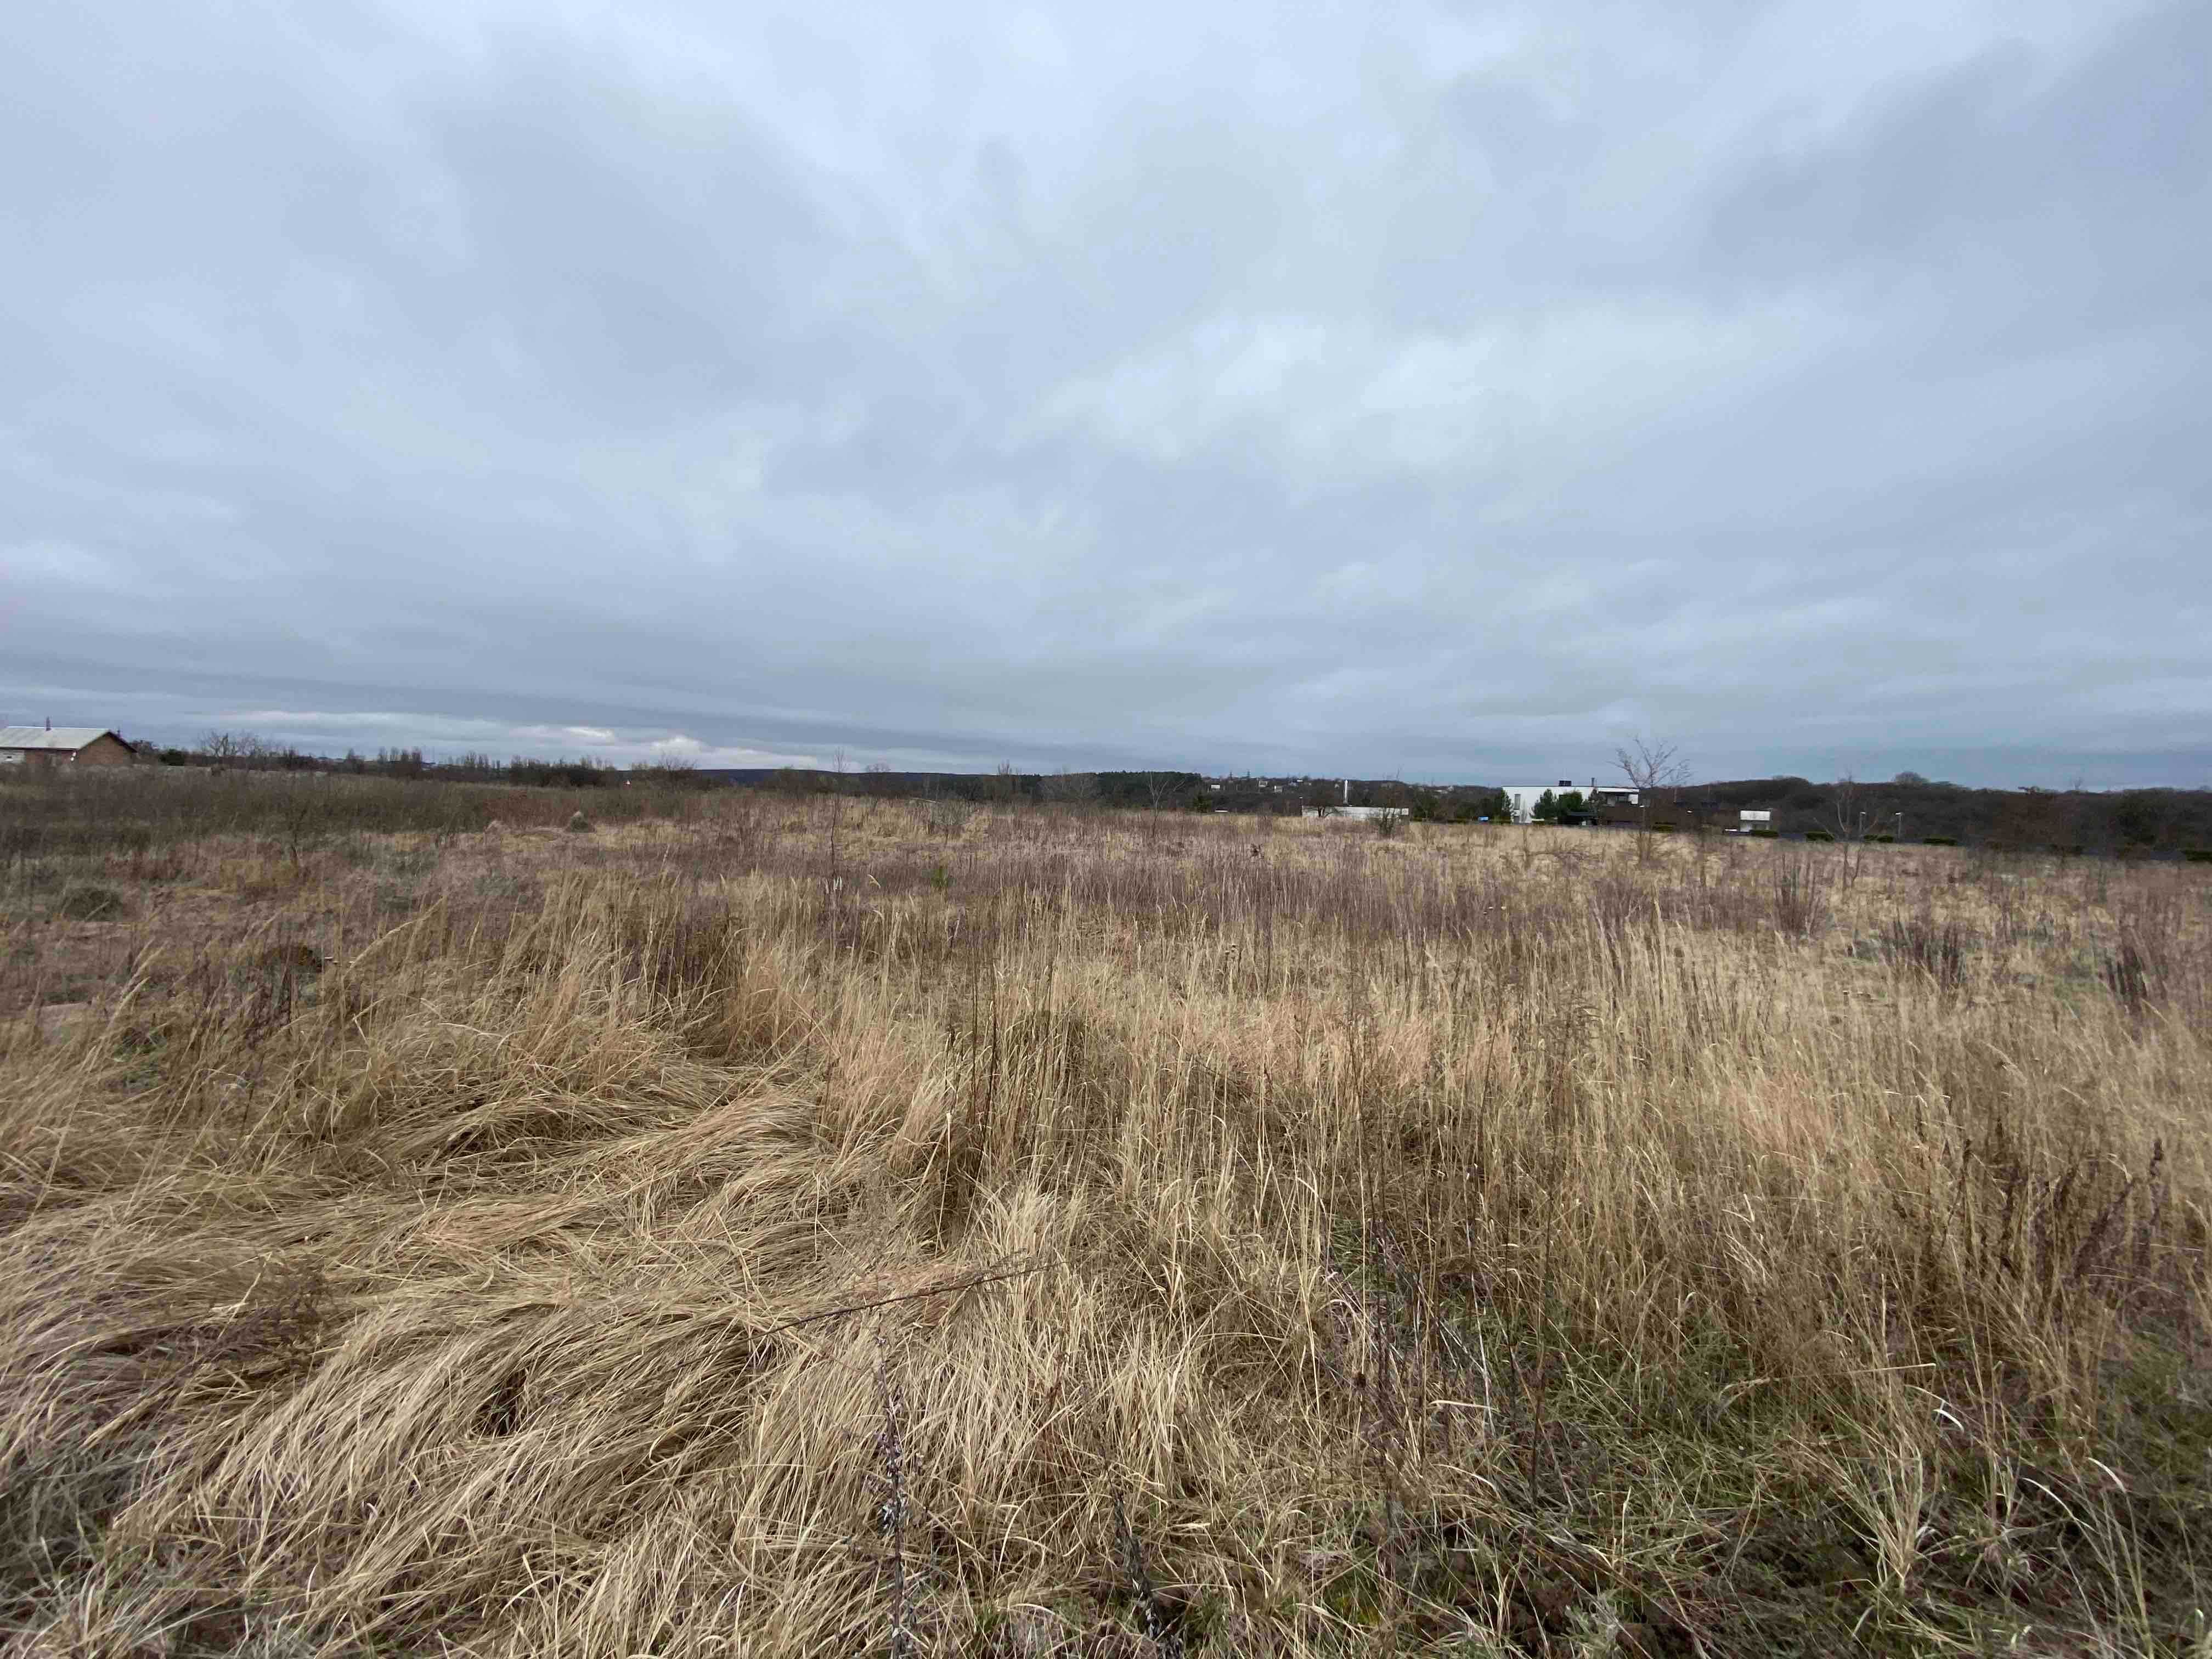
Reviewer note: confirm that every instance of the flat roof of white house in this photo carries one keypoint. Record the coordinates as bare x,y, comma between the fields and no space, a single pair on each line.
1561,788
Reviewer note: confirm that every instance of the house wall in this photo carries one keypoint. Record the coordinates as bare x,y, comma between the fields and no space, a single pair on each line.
1358,813
106,749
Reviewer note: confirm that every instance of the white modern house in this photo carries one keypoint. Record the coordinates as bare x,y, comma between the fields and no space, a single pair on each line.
1524,796
1364,814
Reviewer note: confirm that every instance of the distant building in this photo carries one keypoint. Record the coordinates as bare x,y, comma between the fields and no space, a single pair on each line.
1611,805
40,746
1364,814
1599,805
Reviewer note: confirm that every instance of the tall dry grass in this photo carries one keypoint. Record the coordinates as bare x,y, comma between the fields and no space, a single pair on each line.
947,1233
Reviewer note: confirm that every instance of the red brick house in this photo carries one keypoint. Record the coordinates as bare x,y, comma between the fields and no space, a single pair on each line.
44,747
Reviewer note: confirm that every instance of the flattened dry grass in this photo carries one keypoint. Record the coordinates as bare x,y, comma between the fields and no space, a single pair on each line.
1153,1237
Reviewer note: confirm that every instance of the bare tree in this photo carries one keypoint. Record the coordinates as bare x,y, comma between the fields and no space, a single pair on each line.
1849,811
232,746
1070,788
1652,767
1847,814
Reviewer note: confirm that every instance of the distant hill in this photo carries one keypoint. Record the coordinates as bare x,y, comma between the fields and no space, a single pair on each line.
1165,789
2145,820
1161,788
2149,820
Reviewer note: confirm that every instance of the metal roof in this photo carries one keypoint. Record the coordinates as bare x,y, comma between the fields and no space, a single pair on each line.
67,738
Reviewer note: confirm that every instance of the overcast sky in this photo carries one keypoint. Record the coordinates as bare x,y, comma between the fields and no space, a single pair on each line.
1444,391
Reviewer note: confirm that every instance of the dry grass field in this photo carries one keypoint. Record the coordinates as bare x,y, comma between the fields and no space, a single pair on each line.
833,1227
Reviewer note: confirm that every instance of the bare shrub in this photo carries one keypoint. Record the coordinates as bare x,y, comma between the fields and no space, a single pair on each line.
2127,971
87,903
1797,900
1940,948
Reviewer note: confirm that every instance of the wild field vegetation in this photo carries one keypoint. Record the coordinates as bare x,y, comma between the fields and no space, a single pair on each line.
821,1226
153,812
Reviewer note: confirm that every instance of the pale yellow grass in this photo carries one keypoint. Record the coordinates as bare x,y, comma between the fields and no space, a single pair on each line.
1468,1241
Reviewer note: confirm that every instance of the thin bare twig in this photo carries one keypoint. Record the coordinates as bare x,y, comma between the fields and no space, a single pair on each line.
975,1282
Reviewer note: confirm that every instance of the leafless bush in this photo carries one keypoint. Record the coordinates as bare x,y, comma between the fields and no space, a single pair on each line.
87,903
1797,899
1938,947
2127,974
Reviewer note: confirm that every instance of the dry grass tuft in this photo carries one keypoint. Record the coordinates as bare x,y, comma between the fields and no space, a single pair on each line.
932,1232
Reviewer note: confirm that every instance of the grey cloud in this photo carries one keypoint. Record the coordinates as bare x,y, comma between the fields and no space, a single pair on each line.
2085,182
1453,389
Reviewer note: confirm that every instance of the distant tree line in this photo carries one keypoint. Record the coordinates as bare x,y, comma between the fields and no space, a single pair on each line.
1908,806
1915,808
248,751
1160,790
